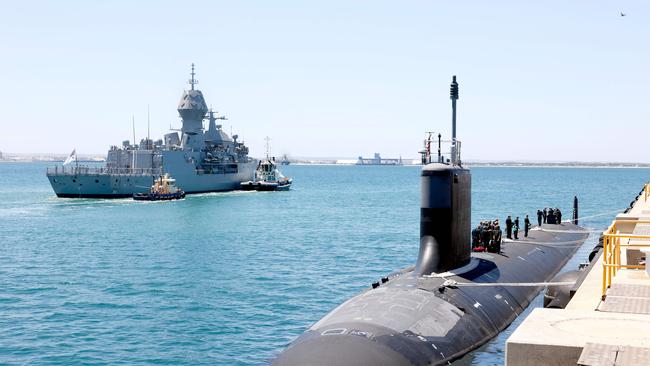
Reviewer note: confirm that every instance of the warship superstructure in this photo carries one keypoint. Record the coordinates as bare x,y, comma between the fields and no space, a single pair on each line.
200,160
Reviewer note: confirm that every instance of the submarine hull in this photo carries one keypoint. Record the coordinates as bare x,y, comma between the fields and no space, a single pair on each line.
427,320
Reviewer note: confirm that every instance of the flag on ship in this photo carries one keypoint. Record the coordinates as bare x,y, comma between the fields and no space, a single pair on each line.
71,158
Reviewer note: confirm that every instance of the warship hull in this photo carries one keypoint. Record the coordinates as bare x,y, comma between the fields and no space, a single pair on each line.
86,184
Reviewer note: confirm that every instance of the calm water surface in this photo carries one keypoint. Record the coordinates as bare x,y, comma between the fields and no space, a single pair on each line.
232,278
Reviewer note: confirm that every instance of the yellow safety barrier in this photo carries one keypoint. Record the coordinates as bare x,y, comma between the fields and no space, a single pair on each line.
646,192
613,241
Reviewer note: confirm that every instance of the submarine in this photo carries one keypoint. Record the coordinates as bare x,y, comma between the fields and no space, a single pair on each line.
453,300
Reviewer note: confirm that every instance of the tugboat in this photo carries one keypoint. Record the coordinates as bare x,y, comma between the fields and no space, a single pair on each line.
163,189
267,176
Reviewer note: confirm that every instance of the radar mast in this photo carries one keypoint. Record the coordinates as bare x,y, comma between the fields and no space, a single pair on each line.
192,80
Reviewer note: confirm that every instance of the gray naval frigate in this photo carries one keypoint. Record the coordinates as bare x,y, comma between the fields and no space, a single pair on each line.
199,160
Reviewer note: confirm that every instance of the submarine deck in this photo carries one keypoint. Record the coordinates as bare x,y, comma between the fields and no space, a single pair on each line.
608,318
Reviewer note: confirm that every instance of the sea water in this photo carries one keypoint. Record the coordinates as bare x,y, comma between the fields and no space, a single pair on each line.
232,278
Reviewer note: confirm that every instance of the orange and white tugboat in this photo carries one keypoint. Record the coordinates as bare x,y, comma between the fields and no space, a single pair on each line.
163,189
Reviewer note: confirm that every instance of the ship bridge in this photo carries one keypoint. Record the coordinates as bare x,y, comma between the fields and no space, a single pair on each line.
215,134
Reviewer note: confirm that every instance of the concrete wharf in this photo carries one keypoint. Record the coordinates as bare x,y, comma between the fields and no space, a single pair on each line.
607,321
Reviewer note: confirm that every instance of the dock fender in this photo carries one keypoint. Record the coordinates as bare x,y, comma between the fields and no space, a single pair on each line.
558,296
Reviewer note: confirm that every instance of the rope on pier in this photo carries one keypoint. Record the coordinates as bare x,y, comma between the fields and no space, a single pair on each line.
452,283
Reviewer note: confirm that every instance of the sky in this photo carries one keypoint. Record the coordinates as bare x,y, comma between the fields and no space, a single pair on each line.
539,81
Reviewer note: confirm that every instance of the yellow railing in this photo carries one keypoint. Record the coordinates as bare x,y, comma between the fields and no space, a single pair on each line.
646,192
613,241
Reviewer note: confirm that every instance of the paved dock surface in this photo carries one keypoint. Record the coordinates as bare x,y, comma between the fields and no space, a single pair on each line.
597,354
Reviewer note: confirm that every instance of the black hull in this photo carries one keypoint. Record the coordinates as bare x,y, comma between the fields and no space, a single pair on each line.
284,187
411,320
261,187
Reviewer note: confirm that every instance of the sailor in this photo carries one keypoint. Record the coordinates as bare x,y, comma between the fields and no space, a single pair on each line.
497,238
486,235
559,215
526,226
551,216
545,214
509,227
516,232
539,217
476,236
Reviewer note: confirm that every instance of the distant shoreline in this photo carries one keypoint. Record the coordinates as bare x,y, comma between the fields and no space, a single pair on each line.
50,161
333,162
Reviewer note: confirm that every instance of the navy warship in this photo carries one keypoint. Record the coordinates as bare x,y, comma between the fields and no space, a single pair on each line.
452,300
200,160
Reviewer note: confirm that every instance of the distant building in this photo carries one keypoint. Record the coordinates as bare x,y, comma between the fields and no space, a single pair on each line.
377,160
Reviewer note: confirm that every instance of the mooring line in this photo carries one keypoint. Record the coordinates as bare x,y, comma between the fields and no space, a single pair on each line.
551,243
452,283
597,215
583,217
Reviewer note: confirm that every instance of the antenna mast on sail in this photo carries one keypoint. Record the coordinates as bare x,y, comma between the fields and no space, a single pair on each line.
455,145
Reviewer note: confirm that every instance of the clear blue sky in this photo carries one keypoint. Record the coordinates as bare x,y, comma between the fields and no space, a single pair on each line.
552,80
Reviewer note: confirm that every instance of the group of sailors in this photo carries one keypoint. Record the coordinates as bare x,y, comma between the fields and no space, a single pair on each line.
512,227
487,237
549,216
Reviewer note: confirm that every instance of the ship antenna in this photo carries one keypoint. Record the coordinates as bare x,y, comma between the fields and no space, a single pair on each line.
454,97
267,139
134,143
193,81
453,94
148,125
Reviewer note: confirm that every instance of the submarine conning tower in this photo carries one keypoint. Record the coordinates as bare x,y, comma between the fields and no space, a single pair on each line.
445,210
192,109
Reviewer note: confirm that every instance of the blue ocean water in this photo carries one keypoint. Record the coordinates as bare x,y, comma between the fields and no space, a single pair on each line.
232,278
